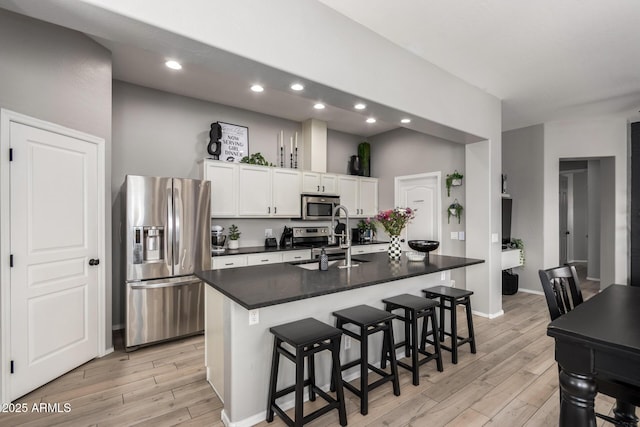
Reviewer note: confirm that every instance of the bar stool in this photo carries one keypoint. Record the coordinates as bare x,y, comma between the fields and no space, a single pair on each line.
414,307
307,336
450,298
369,320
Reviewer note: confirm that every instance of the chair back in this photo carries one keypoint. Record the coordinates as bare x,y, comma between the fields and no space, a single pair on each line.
561,289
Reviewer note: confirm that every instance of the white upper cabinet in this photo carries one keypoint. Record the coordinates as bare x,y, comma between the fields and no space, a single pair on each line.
348,190
368,197
224,187
316,182
285,200
268,192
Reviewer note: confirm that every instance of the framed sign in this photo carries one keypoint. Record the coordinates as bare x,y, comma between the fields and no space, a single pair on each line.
234,142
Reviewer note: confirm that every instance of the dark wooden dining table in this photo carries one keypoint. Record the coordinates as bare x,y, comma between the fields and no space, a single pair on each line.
597,341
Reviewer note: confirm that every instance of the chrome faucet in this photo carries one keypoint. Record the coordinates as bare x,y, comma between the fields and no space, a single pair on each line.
346,243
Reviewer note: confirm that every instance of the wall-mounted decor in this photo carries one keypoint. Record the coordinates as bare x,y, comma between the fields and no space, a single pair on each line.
453,180
234,142
454,210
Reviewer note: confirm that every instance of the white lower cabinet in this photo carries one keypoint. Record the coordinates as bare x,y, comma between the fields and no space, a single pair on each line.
230,261
369,249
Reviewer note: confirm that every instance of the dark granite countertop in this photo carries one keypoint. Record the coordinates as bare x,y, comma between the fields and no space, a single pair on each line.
262,249
266,285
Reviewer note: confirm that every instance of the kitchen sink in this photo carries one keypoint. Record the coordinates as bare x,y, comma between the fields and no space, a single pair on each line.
315,265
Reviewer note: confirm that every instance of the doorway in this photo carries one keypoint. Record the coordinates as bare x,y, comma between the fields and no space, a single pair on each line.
53,294
420,192
579,215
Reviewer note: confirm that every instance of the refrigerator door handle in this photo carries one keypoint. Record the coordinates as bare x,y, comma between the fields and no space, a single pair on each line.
170,238
177,241
155,284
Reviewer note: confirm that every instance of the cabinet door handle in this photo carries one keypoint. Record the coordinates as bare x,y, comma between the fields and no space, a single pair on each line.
323,188
229,263
264,260
297,257
318,188
94,261
269,209
275,209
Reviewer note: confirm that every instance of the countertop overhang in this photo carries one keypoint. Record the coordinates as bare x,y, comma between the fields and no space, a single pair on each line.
272,284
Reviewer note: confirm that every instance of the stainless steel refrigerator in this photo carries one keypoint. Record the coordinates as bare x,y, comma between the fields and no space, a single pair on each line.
166,232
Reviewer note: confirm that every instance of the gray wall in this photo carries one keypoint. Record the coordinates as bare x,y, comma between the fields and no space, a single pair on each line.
593,251
405,152
158,133
61,76
522,157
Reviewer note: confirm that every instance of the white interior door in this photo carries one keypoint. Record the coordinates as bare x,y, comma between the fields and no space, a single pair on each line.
422,193
54,235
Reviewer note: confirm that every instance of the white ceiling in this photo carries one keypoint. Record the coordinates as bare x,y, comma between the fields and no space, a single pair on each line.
546,59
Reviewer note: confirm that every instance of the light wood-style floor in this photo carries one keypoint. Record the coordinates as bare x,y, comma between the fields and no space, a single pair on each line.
511,381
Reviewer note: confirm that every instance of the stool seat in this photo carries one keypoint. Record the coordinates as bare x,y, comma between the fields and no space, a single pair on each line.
308,337
369,320
447,291
450,298
305,332
414,308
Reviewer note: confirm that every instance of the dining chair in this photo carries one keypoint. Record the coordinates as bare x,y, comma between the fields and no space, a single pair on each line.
561,288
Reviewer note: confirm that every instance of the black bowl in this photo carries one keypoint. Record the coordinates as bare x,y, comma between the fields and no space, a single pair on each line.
423,245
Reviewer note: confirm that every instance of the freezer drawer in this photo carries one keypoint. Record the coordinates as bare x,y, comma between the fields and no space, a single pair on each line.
157,310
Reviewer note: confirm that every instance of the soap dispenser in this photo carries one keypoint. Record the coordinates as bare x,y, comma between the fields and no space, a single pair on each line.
324,260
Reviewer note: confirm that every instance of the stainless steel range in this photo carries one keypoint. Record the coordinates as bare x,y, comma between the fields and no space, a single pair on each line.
317,238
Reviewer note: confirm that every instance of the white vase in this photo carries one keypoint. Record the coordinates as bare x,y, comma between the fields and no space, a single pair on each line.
233,244
395,251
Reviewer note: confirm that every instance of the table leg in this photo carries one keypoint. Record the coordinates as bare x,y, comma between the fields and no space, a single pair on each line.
577,402
625,412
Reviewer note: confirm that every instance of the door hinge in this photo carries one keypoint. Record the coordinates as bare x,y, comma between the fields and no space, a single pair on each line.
10,154
12,366
11,260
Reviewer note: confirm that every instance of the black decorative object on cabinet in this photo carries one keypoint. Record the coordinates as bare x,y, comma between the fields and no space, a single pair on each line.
214,140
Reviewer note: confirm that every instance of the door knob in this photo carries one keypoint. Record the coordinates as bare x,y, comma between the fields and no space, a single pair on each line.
93,261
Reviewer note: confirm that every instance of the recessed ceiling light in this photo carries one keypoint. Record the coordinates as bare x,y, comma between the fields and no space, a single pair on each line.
297,86
360,106
257,88
319,106
174,65
371,120
405,121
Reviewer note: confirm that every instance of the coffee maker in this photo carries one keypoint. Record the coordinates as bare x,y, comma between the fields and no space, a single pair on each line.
217,238
286,240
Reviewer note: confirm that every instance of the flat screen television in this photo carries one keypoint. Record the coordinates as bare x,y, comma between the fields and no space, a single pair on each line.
506,220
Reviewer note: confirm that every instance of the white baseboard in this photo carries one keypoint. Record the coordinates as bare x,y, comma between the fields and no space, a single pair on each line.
117,327
577,260
531,291
593,279
488,316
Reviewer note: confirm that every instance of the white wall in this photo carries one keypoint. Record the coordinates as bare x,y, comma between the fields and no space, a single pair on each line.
522,158
61,76
594,138
580,216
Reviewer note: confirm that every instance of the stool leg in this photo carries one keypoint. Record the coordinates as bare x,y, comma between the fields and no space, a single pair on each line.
275,359
364,369
441,319
299,390
312,376
385,351
454,332
407,332
393,361
335,355
436,343
332,383
413,322
472,337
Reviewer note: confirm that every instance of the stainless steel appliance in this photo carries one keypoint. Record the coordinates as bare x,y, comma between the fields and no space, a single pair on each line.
318,207
166,240
217,239
317,238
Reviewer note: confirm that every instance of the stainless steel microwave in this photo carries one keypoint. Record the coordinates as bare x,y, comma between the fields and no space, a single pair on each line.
318,207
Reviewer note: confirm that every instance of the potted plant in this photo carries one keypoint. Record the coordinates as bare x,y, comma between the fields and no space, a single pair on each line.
366,228
234,235
394,221
519,244
256,159
454,210
453,180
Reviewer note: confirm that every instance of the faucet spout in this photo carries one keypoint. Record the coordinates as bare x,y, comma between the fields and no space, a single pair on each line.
345,238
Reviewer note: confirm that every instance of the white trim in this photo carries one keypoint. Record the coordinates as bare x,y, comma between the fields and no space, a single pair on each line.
577,260
531,291
6,118
117,327
593,279
488,316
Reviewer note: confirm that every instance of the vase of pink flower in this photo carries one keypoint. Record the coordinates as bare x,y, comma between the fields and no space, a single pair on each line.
394,221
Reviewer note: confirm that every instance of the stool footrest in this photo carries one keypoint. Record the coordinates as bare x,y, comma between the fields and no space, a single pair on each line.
331,405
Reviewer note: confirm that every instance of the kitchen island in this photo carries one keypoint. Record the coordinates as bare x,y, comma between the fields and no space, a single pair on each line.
241,304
